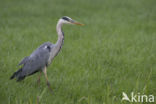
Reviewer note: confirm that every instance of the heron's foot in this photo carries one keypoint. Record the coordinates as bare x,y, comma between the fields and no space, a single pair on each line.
38,99
49,86
38,81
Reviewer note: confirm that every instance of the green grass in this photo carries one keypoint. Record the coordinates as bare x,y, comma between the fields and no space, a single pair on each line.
114,52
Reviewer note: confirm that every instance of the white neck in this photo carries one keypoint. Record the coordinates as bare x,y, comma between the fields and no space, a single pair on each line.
59,32
59,42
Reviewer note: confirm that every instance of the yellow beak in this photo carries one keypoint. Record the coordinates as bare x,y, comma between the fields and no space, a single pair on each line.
77,23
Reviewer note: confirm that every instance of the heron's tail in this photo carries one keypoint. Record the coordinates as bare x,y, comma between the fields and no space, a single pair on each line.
17,75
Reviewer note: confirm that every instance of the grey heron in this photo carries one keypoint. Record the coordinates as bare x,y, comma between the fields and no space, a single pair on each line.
42,57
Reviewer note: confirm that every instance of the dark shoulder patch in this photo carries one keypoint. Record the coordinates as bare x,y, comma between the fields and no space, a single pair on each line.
49,48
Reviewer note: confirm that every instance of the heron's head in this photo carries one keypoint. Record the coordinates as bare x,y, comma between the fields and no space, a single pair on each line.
68,20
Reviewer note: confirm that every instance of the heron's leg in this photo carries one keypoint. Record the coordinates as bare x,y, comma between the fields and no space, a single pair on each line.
38,81
45,74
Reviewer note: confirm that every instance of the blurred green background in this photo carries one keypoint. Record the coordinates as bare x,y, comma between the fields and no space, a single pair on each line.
114,52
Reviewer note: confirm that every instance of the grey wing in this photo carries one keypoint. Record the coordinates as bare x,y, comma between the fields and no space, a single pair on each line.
37,60
24,60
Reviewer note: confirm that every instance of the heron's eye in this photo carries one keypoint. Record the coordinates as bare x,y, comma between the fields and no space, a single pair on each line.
65,18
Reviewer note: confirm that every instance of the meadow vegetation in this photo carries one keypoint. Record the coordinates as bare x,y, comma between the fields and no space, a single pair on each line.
114,52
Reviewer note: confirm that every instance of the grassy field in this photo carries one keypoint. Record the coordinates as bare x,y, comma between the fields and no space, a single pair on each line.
114,52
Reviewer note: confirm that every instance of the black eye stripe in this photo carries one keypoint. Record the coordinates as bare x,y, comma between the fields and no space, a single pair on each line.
65,18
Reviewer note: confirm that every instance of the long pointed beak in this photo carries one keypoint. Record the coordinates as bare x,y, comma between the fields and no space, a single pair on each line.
77,23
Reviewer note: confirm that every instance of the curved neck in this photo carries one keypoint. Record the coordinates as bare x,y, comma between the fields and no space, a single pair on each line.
59,30
60,38
60,33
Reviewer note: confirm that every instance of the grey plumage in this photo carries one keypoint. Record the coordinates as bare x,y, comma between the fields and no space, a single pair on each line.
43,55
24,60
35,62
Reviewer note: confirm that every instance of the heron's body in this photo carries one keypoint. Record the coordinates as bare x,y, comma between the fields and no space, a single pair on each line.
43,55
36,61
